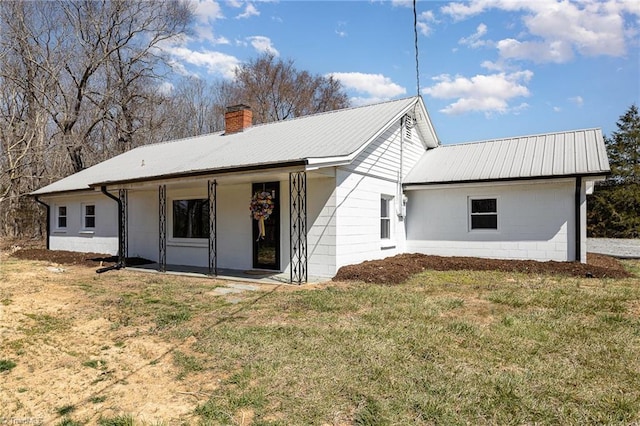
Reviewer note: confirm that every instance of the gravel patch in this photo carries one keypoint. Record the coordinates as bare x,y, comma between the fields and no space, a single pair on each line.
617,247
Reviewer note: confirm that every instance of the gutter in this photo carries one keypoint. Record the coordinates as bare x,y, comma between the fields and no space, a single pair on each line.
121,259
577,219
200,173
38,200
415,185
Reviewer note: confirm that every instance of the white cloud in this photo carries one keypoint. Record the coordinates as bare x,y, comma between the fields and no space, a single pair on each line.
487,93
540,52
423,22
424,28
577,100
558,29
215,62
249,11
402,3
263,45
165,88
475,40
206,12
375,85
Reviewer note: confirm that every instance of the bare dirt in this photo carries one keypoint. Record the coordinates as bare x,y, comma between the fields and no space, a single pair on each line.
71,359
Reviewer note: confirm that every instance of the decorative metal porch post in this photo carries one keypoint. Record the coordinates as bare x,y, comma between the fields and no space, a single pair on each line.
298,226
162,234
213,227
123,248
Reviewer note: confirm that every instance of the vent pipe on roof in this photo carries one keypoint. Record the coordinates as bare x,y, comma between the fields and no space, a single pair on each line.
237,118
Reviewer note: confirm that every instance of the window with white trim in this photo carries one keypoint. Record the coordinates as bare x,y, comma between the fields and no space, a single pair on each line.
385,217
191,218
483,213
89,216
61,217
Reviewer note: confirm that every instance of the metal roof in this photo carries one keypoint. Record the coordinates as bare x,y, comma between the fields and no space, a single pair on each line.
571,153
317,139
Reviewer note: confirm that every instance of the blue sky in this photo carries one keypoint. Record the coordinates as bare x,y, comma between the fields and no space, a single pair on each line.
487,68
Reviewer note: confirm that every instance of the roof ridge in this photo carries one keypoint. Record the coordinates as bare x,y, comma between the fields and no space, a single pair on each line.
520,137
317,114
334,111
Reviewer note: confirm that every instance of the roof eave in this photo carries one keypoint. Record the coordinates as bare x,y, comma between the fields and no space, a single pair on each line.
206,172
601,175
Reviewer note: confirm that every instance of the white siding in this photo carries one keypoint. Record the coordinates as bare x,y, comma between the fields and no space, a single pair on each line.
143,224
535,221
382,157
234,227
321,227
358,219
102,239
235,244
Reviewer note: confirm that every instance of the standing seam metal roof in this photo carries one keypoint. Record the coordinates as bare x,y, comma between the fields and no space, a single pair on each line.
326,135
572,153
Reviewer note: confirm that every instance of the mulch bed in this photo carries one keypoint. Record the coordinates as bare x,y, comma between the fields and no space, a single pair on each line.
63,257
392,270
396,269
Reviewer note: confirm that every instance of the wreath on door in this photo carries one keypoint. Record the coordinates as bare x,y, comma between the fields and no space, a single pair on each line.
261,208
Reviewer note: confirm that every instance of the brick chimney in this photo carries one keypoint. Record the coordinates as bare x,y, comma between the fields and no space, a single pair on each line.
237,118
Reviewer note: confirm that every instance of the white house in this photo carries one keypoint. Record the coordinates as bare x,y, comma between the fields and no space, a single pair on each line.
306,196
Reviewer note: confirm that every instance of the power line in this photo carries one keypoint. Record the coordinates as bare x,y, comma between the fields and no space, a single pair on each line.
415,35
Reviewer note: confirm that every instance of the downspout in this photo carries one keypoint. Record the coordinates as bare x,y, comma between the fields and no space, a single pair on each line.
38,200
121,260
577,219
403,123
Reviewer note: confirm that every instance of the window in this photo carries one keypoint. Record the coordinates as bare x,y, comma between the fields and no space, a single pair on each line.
385,217
62,217
89,216
484,213
191,218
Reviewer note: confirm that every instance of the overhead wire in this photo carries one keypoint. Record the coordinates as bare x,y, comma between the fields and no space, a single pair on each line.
415,35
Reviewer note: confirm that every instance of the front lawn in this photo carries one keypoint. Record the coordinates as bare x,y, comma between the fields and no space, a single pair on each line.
446,347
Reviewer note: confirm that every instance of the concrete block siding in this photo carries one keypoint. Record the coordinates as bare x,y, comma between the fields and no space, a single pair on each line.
535,221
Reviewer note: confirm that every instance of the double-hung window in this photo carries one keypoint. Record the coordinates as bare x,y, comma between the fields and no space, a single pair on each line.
385,217
191,218
89,216
62,217
483,213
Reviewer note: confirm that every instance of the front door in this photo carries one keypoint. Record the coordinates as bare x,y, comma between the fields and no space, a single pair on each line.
265,206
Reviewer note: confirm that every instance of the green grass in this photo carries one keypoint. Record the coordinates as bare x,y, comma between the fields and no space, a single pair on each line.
455,347
187,363
6,365
97,399
123,420
491,350
66,409
68,422
98,364
45,323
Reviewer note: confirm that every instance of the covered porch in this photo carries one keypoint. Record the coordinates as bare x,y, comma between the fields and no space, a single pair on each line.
204,225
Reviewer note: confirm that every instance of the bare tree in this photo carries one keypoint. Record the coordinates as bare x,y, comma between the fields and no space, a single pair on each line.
111,46
24,88
77,82
276,90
